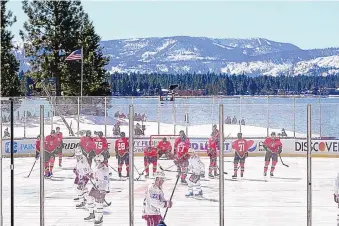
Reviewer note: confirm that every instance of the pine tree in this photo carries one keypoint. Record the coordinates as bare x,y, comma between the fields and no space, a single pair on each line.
10,83
53,26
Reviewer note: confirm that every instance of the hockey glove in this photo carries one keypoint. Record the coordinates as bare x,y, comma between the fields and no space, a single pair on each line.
246,154
280,150
37,155
168,204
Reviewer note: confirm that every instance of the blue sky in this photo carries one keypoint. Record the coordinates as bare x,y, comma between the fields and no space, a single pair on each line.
306,24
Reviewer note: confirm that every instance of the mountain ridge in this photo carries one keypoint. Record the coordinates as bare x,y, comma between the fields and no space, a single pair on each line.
187,54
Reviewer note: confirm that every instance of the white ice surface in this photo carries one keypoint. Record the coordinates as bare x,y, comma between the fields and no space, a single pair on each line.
278,202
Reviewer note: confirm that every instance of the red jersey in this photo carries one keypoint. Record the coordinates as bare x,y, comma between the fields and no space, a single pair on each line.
151,152
87,144
241,147
37,145
273,144
51,143
182,150
101,144
164,146
59,136
121,146
212,144
178,140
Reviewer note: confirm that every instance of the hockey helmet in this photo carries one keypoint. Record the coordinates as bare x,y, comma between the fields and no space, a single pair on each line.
53,131
160,175
88,133
99,158
100,134
78,152
122,134
239,135
273,134
38,137
58,128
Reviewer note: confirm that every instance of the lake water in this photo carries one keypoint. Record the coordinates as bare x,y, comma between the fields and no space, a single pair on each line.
273,112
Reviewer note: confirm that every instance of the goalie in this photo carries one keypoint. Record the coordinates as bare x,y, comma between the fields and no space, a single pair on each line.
165,148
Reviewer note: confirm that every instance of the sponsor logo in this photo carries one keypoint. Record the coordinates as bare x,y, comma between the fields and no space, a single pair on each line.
252,145
8,147
17,147
318,146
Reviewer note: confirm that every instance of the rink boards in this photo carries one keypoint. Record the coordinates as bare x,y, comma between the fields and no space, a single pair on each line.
291,147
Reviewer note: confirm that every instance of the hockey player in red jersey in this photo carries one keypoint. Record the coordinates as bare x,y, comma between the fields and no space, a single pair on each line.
154,201
88,146
212,153
51,144
122,153
215,134
101,147
273,148
165,148
182,145
240,146
37,147
150,157
58,151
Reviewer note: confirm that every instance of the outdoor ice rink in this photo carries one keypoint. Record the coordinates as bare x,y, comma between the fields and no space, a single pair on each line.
280,201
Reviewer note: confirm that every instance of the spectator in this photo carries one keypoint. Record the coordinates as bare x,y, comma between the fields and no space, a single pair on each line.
234,120
137,130
243,122
116,129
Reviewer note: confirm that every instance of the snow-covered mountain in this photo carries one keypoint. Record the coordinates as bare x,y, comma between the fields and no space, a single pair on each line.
183,54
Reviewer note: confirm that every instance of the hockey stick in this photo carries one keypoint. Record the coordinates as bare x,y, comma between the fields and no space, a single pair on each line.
283,162
136,169
142,173
107,203
31,169
113,168
175,186
219,170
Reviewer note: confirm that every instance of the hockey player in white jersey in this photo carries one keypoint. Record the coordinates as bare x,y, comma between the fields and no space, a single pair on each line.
336,195
154,201
196,170
96,197
83,172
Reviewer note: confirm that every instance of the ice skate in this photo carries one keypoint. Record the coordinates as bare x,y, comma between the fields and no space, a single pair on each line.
90,217
147,176
120,174
234,176
97,222
60,165
81,205
211,176
183,181
271,174
189,194
48,175
265,174
199,194
76,199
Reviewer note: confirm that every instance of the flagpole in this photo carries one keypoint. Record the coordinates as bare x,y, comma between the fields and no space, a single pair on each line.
82,73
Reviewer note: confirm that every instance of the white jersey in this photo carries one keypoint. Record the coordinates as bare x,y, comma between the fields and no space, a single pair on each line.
336,185
101,177
196,166
82,167
153,201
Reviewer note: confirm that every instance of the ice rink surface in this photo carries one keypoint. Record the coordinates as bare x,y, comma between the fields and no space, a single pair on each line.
280,201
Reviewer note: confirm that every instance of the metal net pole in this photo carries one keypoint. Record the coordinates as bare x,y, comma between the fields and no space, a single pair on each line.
309,167
131,163
42,167
1,215
221,165
12,162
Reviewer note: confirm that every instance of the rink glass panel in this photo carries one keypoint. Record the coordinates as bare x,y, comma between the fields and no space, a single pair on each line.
252,201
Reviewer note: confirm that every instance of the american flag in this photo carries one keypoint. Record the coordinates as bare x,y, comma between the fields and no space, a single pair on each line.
75,55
